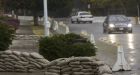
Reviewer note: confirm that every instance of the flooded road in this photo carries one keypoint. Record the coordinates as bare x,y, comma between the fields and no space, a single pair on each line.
129,41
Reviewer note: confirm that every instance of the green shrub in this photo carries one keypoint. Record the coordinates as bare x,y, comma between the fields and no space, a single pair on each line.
6,36
63,46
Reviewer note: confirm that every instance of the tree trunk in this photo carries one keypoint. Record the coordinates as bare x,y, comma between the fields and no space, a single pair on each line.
35,19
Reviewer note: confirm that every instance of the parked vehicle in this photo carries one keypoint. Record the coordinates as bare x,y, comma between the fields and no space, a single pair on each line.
115,23
81,16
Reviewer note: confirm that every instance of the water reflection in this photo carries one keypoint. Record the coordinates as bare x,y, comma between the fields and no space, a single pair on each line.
132,59
132,52
130,38
132,63
112,38
130,41
130,45
134,74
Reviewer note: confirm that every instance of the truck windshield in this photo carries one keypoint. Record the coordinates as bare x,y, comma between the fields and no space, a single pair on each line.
85,13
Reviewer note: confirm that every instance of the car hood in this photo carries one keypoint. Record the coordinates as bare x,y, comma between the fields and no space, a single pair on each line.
120,23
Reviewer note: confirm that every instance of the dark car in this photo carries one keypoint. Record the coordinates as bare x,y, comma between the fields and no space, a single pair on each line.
115,23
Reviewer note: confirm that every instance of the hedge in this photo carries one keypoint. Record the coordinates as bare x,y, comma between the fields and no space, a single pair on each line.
63,46
6,36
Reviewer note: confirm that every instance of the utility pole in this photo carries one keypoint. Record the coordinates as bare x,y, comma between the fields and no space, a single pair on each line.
88,5
138,13
46,22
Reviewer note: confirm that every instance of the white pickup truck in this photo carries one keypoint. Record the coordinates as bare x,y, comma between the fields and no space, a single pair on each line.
81,16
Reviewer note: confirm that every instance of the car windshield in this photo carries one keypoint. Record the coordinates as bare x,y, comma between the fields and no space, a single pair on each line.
85,13
119,18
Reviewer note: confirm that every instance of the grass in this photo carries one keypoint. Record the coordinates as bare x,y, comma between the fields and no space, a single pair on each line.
38,30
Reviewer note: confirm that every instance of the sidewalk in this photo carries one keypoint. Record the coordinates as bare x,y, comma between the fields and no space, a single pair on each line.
25,40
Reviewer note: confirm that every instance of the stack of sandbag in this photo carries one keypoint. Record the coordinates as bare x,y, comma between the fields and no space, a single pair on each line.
14,61
77,66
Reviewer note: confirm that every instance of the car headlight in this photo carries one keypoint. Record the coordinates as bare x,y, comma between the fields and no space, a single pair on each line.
130,25
111,25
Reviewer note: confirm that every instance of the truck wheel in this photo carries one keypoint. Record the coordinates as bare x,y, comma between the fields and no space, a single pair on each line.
72,21
91,22
77,21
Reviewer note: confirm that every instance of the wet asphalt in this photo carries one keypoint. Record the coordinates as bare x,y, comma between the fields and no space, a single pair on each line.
108,52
